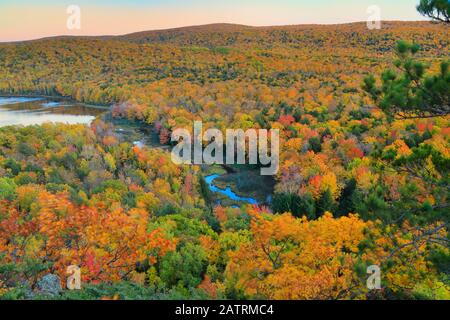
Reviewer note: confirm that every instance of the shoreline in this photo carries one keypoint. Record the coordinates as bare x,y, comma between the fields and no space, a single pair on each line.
69,99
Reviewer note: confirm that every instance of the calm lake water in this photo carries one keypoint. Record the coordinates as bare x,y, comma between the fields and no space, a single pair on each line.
31,111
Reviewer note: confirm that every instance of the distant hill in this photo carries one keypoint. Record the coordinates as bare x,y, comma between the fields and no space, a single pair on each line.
108,69
214,35
224,34
174,33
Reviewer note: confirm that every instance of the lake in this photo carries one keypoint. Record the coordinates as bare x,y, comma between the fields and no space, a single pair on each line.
31,111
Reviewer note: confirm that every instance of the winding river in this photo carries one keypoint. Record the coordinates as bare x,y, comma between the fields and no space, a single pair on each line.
227,192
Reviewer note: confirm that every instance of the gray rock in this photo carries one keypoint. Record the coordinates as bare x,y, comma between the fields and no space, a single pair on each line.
49,284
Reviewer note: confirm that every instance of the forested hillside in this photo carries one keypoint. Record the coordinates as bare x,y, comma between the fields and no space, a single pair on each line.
274,60
356,187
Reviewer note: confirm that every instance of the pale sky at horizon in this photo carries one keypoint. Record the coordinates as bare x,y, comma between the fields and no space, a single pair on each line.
27,19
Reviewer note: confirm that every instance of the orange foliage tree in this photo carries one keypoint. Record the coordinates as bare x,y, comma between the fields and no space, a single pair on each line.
292,258
107,245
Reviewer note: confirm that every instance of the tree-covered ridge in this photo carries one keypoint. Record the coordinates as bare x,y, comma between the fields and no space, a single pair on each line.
355,35
111,70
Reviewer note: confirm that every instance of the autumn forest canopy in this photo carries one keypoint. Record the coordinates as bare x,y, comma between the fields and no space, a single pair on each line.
364,162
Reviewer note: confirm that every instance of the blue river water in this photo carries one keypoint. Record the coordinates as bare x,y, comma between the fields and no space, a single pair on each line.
228,192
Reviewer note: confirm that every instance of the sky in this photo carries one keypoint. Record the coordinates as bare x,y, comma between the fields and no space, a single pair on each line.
32,19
